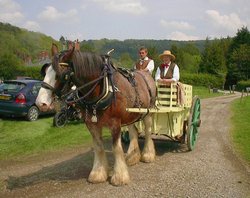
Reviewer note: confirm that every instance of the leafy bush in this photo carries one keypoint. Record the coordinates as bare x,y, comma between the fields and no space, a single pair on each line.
241,85
202,79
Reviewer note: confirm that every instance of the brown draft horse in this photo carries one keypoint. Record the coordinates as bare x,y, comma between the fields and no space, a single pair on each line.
87,67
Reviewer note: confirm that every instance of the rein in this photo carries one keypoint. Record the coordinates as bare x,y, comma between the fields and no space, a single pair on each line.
96,81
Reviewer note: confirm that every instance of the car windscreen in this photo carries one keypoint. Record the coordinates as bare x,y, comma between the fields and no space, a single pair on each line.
12,87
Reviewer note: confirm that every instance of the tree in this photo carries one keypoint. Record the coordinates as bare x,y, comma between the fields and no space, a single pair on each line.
8,66
86,47
213,60
187,57
178,54
190,63
126,61
154,54
240,56
238,60
191,49
242,37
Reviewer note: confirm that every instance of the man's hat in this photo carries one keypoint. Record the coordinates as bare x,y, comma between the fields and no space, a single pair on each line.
167,53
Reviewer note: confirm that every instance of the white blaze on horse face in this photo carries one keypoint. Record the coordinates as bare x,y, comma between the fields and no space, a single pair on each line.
45,95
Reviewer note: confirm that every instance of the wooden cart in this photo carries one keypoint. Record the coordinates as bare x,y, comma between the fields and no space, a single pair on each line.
176,114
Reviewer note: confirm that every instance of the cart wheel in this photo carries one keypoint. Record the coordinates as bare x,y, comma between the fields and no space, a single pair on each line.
193,123
60,119
125,137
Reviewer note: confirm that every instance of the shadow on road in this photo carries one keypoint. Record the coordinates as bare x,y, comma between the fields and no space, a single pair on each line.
80,166
73,169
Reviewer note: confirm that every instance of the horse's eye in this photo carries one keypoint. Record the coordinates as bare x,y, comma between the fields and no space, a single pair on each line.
57,77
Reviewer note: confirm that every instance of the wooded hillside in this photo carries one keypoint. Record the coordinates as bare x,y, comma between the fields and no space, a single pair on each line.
226,58
26,46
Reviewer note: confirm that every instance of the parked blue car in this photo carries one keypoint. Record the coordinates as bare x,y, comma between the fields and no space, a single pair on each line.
17,98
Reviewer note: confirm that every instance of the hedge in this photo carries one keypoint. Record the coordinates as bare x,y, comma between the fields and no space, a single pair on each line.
29,71
202,79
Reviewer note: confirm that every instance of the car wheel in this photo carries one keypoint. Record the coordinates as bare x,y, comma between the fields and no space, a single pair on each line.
33,114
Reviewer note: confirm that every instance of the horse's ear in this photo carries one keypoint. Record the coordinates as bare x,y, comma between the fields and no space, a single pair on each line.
70,45
54,49
77,45
68,55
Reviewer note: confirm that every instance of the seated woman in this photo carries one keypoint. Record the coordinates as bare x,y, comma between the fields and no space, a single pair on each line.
168,71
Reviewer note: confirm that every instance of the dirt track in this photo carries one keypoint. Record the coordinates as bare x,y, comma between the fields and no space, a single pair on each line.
211,170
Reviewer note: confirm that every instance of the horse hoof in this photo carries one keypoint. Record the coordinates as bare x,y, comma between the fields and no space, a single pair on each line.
147,157
119,180
133,159
97,177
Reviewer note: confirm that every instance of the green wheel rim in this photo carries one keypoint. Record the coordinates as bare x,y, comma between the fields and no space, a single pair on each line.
194,123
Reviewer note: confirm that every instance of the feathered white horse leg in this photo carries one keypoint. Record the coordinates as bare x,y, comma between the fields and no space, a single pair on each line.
121,174
99,172
133,153
148,153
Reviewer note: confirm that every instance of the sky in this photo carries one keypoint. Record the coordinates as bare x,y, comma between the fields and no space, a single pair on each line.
128,19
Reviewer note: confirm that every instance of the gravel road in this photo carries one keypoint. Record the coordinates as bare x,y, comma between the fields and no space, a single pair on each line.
211,170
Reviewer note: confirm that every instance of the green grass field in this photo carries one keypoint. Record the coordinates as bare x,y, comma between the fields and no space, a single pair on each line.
19,137
241,126
203,92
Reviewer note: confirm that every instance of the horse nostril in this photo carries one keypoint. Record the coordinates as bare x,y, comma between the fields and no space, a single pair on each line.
43,107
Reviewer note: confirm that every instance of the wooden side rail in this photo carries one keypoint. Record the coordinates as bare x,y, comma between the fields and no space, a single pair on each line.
167,96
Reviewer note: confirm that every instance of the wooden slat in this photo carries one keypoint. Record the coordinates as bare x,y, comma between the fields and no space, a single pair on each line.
165,102
163,109
188,95
165,89
166,96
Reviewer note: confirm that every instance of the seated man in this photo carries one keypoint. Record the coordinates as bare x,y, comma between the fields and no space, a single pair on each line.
168,71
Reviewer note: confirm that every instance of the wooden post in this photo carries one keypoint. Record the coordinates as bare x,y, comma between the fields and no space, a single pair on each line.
233,88
247,90
242,95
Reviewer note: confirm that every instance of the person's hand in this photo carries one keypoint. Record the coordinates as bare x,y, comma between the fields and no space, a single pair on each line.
165,81
160,80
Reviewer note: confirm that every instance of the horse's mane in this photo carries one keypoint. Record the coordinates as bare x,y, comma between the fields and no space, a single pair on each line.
87,64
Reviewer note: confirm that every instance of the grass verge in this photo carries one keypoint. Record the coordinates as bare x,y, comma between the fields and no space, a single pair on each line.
203,92
19,137
241,127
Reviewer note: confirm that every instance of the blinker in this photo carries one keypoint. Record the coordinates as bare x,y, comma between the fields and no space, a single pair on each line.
64,64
